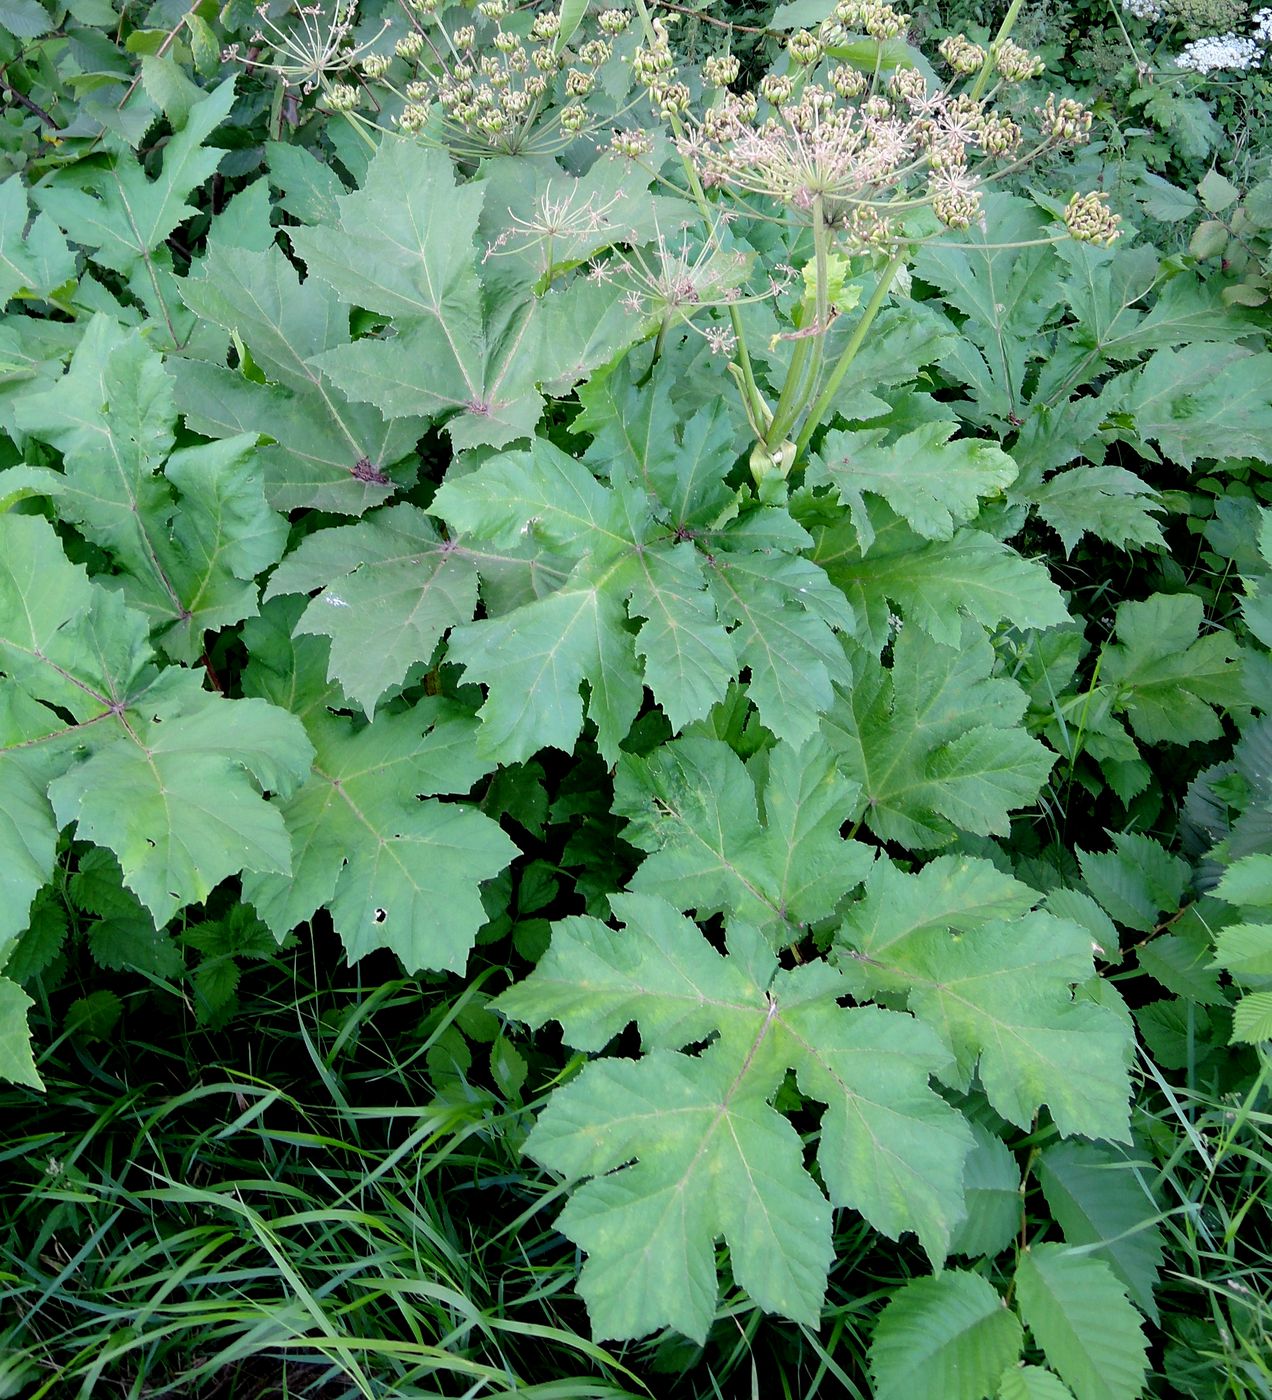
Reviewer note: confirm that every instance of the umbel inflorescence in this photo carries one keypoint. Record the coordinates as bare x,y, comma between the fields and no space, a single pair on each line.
846,136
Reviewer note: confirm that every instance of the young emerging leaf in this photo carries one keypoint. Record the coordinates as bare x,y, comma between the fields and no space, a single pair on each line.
683,1148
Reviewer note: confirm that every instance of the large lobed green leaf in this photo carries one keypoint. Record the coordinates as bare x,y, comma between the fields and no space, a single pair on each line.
682,1148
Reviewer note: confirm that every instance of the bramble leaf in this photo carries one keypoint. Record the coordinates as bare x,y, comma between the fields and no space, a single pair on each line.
1098,1197
943,1338
1079,1315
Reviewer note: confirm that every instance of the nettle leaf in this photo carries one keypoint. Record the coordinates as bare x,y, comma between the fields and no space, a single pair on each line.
944,1338
404,248
326,452
934,742
683,1148
997,983
1244,950
1169,680
935,585
390,588
146,763
1079,1315
930,482
1202,401
706,603
396,868
188,531
758,841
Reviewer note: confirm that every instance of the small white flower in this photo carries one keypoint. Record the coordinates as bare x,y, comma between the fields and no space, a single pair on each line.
1219,52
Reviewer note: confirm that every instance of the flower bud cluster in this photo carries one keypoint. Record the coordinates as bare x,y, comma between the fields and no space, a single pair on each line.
1089,219
493,88
721,69
962,56
1066,121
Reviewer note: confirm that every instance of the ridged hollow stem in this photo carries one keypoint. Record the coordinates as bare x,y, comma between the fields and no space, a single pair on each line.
1004,33
757,409
806,363
826,399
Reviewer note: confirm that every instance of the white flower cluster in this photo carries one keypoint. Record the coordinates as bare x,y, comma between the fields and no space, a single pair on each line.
1215,52
1148,10
1263,26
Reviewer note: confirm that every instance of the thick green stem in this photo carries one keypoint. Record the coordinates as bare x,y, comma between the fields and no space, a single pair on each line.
1004,33
805,369
826,399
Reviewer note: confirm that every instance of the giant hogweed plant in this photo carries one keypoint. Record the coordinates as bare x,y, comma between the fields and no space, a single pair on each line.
447,452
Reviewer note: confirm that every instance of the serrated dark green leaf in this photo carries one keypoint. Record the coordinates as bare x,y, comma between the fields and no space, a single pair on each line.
1099,1195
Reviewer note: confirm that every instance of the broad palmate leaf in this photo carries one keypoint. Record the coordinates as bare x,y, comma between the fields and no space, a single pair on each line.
934,584
326,452
388,589
997,982
471,356
934,743
758,841
684,1148
707,600
143,761
395,867
932,483
189,530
